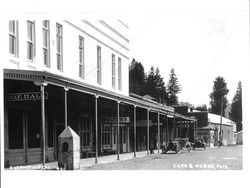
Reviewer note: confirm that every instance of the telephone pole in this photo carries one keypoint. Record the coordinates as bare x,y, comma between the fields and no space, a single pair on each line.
221,113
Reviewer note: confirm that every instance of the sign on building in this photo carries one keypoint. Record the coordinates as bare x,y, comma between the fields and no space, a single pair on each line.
26,96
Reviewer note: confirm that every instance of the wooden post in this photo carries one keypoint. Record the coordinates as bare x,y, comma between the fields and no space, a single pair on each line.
180,127
43,125
134,130
167,133
148,131
158,132
42,85
66,106
96,127
194,129
118,130
174,127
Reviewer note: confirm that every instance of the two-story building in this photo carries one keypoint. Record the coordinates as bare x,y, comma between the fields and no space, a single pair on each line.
73,73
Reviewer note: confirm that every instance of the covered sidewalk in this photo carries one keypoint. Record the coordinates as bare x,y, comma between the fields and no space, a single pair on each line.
86,162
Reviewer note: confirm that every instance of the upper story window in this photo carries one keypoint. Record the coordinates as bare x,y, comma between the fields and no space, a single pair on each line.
30,40
46,45
120,74
59,45
99,66
81,57
113,71
13,37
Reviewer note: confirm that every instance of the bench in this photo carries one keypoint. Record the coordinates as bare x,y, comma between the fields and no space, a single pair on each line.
87,152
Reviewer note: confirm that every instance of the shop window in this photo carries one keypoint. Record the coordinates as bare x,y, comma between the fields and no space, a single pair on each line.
15,123
85,131
106,135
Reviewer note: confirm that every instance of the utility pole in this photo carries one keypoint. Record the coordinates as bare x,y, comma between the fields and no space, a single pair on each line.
221,112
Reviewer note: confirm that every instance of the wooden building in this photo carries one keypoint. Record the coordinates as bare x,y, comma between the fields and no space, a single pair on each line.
75,73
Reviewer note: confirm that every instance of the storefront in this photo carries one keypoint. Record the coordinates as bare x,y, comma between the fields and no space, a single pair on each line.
39,105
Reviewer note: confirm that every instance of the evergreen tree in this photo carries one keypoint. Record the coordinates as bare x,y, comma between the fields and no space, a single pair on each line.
151,83
173,88
236,108
137,83
160,87
218,96
156,85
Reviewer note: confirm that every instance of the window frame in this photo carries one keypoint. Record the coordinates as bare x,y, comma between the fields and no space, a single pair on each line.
31,41
14,35
81,58
113,71
85,132
119,74
106,136
99,65
46,31
59,53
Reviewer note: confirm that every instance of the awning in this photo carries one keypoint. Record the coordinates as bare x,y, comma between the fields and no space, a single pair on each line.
42,76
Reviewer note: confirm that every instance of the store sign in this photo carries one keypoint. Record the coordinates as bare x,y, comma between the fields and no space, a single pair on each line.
26,96
113,120
114,125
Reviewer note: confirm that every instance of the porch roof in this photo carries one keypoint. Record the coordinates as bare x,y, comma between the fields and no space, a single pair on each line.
43,76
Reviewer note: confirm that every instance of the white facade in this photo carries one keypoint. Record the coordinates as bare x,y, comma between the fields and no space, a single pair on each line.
110,36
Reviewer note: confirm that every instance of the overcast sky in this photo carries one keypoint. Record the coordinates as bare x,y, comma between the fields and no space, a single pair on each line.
200,41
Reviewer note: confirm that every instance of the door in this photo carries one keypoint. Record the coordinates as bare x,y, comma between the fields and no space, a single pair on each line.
24,136
16,137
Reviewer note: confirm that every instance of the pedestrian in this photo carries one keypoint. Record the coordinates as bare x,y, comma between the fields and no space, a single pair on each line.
152,145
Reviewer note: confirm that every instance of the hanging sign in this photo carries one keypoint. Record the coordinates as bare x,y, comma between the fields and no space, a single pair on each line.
26,96
114,120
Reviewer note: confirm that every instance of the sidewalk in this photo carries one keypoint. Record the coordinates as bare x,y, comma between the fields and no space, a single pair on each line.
88,162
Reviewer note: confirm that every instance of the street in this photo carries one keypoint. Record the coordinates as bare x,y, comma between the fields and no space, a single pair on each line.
223,158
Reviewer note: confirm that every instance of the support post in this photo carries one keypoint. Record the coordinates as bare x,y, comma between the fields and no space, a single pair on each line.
194,129
148,131
174,127
66,89
42,85
167,133
221,113
96,127
118,130
180,127
158,122
43,124
135,131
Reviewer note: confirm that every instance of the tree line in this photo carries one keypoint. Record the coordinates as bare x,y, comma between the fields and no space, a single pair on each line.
152,84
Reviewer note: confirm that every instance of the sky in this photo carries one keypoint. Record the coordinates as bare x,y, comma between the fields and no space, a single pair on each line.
200,42
200,39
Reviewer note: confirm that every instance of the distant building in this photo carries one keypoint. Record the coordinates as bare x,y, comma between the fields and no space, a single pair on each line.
209,128
227,111
239,137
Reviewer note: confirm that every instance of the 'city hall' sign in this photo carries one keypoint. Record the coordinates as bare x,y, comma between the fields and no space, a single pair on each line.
26,96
